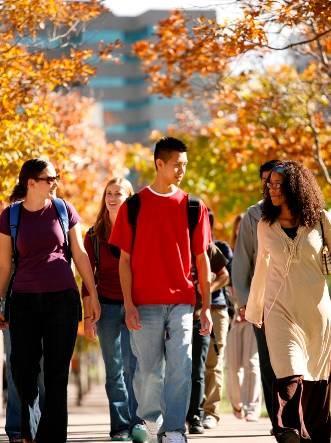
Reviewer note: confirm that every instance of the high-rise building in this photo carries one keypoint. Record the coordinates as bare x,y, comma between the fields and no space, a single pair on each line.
130,112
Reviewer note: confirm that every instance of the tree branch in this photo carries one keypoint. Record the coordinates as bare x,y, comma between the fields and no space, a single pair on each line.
317,149
302,42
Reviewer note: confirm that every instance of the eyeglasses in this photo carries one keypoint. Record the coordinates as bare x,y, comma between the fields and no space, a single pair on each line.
48,179
275,186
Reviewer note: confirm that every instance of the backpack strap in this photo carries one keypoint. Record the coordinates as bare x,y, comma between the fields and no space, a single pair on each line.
62,213
133,204
14,220
96,247
193,209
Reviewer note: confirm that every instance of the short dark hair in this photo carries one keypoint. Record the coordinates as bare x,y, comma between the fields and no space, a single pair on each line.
30,169
166,146
267,166
302,194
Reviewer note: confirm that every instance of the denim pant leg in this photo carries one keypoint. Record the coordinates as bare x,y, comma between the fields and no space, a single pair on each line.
26,351
13,411
177,382
109,332
148,347
200,345
129,363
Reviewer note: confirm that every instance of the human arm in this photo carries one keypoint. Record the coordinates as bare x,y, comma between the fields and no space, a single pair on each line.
131,312
255,303
243,259
221,280
5,271
204,277
82,263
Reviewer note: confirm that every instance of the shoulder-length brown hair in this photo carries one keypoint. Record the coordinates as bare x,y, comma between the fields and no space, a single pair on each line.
102,226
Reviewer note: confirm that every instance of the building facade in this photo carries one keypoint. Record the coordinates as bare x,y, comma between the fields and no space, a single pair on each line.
130,112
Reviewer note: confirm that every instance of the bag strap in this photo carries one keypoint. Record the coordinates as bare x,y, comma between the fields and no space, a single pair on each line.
193,209
96,247
133,204
62,213
323,236
14,220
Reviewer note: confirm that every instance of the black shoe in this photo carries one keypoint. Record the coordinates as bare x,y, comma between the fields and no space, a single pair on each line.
195,426
288,436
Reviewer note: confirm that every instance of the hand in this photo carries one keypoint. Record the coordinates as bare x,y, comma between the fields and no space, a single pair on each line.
3,323
132,318
205,322
89,329
92,308
241,314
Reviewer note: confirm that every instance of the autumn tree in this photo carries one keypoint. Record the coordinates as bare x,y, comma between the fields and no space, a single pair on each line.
35,119
255,114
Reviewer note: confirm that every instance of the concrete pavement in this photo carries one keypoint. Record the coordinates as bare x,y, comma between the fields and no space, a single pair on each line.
89,423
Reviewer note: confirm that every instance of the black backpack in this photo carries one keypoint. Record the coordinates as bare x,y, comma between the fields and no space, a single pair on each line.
133,203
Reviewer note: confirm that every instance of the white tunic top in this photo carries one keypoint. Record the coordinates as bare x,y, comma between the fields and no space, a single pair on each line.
289,288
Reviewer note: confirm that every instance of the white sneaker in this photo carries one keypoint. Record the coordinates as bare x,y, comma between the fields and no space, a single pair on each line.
252,417
209,422
173,437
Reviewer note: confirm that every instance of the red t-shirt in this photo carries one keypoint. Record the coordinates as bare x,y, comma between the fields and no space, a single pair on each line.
108,281
161,256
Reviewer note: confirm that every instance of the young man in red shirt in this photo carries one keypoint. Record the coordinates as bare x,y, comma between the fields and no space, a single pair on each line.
159,296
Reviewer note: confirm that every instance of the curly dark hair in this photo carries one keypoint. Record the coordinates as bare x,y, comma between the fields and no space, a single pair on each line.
301,191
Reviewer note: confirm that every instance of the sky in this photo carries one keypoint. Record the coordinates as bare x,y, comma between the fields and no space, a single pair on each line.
136,7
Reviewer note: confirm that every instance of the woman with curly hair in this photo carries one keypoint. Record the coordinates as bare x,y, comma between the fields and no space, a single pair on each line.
289,297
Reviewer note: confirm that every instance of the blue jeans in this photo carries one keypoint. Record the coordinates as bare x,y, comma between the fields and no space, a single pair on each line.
119,366
162,380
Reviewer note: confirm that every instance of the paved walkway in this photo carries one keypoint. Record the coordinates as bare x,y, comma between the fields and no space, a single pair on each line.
89,423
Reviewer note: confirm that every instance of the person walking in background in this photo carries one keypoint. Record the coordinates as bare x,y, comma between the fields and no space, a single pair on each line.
289,295
200,343
155,273
112,331
243,368
44,306
215,356
13,409
243,265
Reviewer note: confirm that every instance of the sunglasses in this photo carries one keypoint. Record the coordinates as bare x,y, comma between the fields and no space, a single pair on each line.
279,169
48,179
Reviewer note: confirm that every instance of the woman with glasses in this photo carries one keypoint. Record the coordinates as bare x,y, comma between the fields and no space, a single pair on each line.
44,308
289,297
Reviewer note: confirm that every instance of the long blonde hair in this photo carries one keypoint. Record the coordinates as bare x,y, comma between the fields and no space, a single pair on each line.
102,226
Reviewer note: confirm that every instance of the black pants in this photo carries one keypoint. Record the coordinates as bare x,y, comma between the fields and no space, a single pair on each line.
267,374
303,406
200,345
43,324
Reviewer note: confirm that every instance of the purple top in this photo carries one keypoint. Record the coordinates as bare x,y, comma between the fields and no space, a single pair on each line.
42,264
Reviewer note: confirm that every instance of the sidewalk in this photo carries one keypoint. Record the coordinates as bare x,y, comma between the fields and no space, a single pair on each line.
89,423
